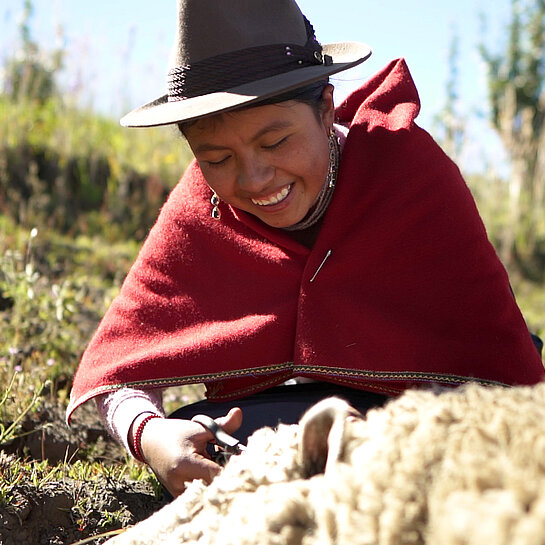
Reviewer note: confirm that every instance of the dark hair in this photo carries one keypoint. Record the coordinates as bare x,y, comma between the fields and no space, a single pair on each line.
311,94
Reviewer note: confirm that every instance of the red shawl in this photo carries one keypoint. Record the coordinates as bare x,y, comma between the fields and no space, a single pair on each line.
401,287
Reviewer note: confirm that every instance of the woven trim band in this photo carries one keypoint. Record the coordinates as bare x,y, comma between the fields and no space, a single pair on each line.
236,68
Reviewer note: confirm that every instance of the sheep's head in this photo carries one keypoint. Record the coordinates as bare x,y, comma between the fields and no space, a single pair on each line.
322,435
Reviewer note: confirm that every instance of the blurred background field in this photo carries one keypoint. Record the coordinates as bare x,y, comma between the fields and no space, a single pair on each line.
78,194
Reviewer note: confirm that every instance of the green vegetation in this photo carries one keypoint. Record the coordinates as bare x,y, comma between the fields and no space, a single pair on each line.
78,172
516,88
53,290
78,194
67,168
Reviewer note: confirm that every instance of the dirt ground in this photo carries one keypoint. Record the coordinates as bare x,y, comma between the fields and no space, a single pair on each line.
62,512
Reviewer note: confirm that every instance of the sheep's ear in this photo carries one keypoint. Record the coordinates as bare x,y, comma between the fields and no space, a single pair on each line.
321,434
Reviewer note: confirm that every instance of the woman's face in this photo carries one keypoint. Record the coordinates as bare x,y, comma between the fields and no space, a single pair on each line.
270,161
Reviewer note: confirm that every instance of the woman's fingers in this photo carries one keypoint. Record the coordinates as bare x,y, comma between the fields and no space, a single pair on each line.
232,421
176,449
228,424
194,466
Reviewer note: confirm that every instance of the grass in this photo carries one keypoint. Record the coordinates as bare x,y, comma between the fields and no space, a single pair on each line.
12,418
53,291
80,484
76,132
531,300
49,311
79,172
48,314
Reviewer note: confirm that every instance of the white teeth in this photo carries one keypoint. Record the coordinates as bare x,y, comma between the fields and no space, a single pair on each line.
273,199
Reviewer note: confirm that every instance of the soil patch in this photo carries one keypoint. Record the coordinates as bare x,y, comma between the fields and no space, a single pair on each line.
47,437
40,511
64,512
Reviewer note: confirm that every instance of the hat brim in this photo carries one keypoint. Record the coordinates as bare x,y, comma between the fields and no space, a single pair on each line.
345,55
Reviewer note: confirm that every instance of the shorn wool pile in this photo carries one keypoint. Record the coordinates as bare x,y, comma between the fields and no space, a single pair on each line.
460,467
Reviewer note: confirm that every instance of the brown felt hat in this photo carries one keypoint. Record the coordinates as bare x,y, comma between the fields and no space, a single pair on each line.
231,53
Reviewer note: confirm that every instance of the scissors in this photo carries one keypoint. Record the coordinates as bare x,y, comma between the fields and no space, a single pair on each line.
225,445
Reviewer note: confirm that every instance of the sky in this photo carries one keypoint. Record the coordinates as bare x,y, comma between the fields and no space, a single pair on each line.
118,49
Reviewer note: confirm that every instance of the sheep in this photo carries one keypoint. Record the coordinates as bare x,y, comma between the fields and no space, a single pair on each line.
456,467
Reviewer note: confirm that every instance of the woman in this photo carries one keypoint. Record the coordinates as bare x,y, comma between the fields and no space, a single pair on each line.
306,243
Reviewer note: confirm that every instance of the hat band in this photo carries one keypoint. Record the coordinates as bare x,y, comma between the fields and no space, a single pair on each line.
236,68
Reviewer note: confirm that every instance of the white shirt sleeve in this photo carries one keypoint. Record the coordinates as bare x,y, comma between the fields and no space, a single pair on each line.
120,408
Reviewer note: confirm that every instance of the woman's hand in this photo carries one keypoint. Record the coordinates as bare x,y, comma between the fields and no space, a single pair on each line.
176,449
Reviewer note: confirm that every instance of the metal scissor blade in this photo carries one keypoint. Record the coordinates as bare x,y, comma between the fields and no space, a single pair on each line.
223,439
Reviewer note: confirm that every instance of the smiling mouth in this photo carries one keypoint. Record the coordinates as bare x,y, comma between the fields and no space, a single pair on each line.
274,199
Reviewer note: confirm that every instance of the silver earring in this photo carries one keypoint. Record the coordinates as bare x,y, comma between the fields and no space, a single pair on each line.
214,201
334,155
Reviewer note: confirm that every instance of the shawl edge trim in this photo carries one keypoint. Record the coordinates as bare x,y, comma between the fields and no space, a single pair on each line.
342,375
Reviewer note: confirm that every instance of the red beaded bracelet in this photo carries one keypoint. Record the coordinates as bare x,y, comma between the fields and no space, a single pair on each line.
137,437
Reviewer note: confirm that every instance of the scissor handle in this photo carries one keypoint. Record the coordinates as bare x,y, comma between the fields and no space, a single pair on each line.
223,439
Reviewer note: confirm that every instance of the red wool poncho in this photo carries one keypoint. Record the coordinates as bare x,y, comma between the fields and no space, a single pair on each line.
401,287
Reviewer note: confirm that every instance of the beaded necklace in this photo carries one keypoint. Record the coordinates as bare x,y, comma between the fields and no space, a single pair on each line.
326,193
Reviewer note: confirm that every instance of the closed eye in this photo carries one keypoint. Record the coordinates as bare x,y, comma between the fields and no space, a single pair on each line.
218,163
277,144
